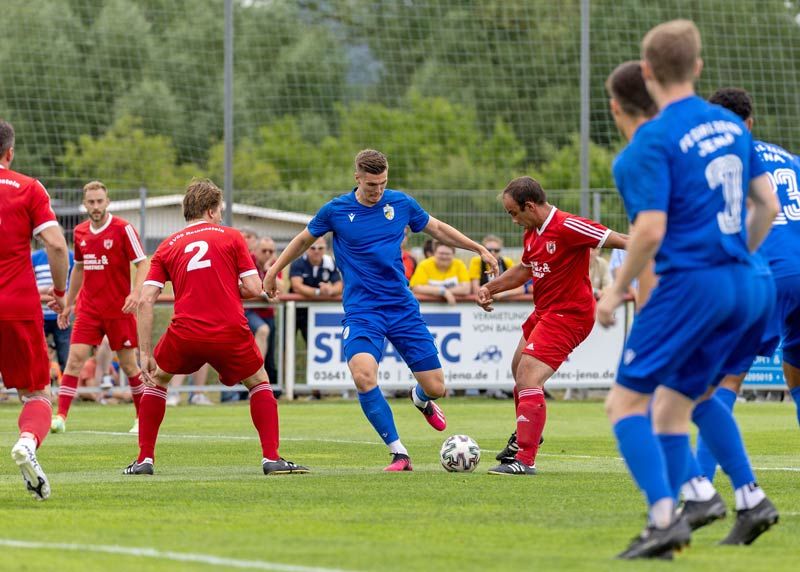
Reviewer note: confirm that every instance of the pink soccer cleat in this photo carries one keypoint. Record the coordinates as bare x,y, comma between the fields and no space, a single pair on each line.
433,415
400,462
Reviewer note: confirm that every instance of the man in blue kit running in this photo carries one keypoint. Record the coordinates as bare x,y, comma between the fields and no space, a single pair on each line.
368,227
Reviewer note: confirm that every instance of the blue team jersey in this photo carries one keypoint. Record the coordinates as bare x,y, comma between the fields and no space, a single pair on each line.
781,248
693,161
44,278
366,242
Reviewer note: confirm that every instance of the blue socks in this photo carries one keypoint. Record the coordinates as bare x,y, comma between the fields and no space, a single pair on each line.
795,393
644,457
677,455
706,459
721,435
377,410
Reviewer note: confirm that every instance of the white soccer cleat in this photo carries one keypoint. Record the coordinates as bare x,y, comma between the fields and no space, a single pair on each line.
135,428
24,455
58,424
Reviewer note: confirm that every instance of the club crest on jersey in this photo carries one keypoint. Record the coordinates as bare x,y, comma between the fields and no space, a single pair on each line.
550,245
388,212
108,243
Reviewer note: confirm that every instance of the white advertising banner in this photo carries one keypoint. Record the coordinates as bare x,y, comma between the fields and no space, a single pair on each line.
475,348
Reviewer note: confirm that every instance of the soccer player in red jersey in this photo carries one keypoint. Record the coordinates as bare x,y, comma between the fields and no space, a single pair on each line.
25,212
105,247
211,270
557,248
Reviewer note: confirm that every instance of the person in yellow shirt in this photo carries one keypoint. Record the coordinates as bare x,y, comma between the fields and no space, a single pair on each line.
441,275
477,268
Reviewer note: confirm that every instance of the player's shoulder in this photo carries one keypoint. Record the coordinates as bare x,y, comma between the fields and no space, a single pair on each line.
17,179
118,222
341,201
82,227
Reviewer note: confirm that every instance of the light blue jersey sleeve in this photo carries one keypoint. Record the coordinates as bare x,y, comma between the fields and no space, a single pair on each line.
321,223
417,216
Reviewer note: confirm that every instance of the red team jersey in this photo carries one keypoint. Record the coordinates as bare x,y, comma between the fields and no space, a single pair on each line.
106,254
558,256
204,262
24,212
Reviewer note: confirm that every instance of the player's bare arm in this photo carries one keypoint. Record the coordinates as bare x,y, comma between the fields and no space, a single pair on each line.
446,234
75,283
251,287
512,278
765,207
617,240
147,302
292,252
58,257
645,239
132,300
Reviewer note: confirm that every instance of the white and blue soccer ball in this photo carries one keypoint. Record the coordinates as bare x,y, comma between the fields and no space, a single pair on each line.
460,454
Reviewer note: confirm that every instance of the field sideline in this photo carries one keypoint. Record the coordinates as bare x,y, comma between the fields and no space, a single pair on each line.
209,507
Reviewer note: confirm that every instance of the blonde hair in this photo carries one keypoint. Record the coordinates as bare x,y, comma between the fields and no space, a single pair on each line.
672,50
94,186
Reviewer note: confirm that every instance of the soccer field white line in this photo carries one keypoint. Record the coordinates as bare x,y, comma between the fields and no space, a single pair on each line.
165,555
355,442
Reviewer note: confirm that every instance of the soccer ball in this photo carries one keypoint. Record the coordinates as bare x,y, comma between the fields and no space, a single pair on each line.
460,454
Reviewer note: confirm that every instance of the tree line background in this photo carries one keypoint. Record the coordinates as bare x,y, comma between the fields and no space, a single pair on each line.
462,95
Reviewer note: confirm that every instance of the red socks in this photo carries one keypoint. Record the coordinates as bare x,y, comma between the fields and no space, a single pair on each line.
531,416
66,393
35,418
151,414
264,412
137,389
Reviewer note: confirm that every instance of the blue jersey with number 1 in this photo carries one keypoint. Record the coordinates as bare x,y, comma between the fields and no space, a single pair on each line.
693,161
366,242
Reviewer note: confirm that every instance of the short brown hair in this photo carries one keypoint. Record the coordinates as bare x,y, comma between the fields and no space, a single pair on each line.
525,190
437,244
672,50
371,161
201,195
6,136
492,238
626,86
94,186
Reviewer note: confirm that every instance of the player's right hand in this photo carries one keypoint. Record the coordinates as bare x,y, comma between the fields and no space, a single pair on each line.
148,366
64,314
485,299
270,285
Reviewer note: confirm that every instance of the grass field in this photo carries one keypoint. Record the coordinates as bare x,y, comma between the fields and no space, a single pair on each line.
209,499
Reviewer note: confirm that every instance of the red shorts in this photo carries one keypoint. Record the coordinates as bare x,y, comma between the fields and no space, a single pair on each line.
234,360
24,363
552,336
121,332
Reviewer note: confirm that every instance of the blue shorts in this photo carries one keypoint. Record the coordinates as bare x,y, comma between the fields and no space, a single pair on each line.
787,311
254,321
690,328
407,332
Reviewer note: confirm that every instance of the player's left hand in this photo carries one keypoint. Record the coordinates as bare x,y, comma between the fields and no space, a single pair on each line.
485,299
131,303
488,258
610,300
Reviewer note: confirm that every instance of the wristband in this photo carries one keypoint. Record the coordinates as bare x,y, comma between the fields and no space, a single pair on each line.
58,293
316,292
442,291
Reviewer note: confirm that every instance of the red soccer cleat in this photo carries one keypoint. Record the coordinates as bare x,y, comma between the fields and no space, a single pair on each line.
400,462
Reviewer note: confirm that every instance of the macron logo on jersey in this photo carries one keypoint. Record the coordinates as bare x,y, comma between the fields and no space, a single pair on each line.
351,216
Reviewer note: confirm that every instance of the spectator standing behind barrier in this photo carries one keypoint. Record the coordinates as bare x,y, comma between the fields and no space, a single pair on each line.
599,273
44,281
314,275
478,269
441,275
409,262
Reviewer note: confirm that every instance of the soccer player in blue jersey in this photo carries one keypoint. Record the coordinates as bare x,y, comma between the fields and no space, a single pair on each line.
368,226
684,178
781,250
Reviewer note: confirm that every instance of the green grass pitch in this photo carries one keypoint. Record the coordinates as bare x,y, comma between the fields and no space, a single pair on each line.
209,499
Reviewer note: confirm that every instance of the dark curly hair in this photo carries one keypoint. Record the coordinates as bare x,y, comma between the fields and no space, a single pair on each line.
734,99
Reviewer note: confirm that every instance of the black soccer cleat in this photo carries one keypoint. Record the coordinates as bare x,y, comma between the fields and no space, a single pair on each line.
752,523
515,467
659,542
701,513
136,468
509,453
282,467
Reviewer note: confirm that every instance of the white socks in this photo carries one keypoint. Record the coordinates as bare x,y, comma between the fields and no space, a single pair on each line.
396,447
748,496
698,489
662,512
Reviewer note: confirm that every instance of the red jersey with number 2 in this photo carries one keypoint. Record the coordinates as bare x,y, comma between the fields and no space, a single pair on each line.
558,257
204,262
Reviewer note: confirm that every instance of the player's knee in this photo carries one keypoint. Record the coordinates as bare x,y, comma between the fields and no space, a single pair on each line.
435,389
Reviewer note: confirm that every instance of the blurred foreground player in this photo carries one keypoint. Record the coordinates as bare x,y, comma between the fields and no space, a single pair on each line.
211,270
25,212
